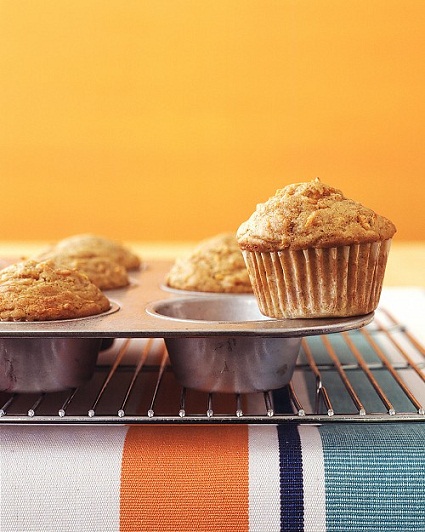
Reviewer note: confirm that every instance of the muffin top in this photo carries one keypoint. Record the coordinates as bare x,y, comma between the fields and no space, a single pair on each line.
215,265
37,291
89,245
312,214
104,272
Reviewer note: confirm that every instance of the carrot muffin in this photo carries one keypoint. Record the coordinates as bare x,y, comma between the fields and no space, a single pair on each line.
38,291
215,265
104,272
312,252
89,245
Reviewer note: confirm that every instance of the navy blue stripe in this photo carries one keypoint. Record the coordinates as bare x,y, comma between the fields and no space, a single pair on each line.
291,479
281,401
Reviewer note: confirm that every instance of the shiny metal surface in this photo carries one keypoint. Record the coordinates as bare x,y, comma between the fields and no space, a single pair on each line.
32,365
233,364
371,375
240,314
135,314
185,293
225,363
217,308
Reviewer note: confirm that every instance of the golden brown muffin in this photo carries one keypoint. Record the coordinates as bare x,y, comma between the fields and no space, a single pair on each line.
38,291
105,273
215,265
88,245
312,252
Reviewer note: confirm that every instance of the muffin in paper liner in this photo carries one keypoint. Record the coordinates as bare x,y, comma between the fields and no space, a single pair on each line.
318,282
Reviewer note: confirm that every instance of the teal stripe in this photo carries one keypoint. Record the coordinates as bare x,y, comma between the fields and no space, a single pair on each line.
374,476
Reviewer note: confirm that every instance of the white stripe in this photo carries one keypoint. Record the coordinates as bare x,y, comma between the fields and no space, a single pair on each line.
313,479
264,480
60,478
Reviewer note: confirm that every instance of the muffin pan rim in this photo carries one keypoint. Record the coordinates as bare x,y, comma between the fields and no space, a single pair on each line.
131,319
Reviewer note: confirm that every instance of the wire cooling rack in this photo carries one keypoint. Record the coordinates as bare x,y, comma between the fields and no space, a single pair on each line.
376,373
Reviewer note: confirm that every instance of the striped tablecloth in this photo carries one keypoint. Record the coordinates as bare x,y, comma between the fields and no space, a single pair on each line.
335,477
245,478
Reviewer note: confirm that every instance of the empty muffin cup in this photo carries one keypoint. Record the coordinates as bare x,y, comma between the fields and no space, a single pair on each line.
227,363
233,364
39,364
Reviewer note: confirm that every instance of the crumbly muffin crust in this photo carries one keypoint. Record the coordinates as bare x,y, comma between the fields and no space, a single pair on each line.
311,214
37,291
104,272
89,245
215,265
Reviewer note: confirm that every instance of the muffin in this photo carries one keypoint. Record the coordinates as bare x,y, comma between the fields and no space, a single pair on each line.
89,245
104,272
311,253
38,291
215,265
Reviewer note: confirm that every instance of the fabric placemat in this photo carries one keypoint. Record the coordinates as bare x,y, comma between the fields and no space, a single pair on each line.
345,477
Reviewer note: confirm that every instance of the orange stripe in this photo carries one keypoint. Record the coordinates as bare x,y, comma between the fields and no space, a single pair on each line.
177,478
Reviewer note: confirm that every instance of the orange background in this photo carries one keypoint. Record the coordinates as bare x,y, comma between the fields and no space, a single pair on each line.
169,120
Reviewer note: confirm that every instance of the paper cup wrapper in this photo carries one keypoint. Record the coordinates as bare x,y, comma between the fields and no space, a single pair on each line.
318,282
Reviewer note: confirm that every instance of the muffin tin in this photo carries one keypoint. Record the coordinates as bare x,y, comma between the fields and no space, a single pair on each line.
145,310
32,365
226,363
131,317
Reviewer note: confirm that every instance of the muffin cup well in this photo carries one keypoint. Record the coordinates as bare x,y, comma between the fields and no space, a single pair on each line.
233,364
36,365
319,282
226,363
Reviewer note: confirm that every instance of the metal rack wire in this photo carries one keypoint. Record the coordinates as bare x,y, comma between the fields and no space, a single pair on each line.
375,374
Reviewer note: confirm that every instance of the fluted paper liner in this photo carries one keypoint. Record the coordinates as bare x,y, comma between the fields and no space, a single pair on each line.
319,282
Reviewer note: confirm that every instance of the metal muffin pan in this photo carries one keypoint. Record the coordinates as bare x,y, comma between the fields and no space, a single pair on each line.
135,314
42,364
216,343
225,363
39,365
181,292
